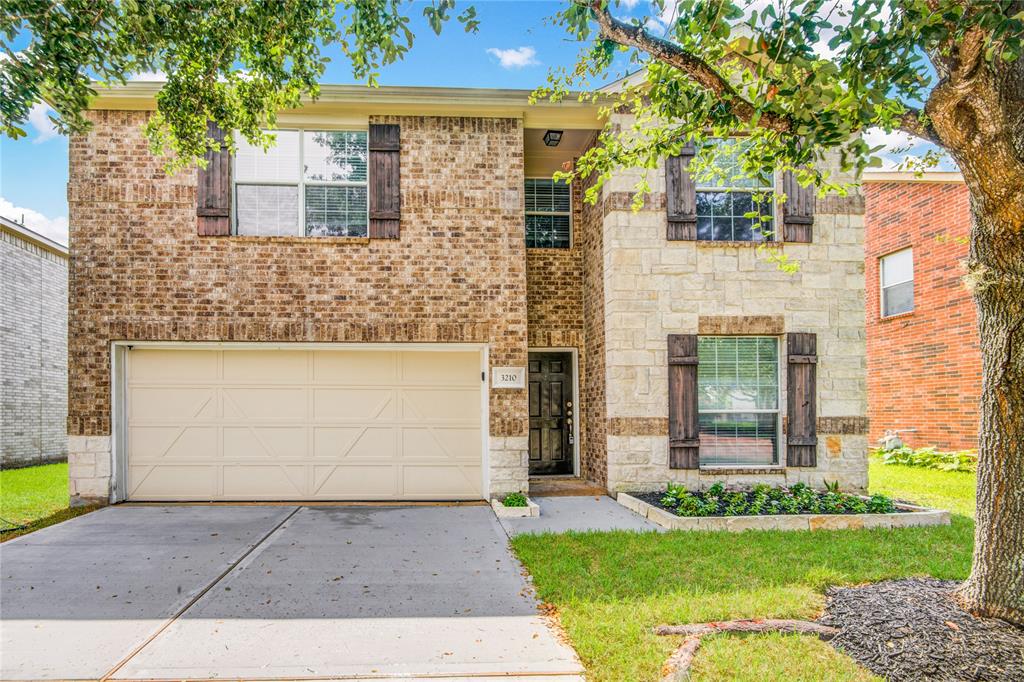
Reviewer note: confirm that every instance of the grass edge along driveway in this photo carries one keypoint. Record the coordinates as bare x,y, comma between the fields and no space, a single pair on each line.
610,589
34,497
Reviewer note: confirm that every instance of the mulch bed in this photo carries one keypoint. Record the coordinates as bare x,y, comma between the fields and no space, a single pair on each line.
909,630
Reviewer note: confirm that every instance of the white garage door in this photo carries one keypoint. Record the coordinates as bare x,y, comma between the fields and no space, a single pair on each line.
303,425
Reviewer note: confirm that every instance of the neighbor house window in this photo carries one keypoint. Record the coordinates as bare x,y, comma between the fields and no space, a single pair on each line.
897,273
727,203
548,214
310,183
738,400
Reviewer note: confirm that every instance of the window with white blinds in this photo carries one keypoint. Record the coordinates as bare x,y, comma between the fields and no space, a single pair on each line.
897,274
738,400
548,214
311,183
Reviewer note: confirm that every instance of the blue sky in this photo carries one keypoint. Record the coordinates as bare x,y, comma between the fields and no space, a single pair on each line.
514,48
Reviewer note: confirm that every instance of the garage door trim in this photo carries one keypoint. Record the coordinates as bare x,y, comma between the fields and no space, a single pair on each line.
119,389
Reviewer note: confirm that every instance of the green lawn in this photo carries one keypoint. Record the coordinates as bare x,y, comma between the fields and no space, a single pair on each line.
34,497
610,589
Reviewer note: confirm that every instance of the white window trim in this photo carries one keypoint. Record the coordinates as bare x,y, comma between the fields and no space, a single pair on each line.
779,451
572,231
882,286
302,182
771,187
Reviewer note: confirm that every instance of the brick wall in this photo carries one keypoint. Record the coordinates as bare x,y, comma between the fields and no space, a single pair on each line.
33,353
924,367
139,271
594,465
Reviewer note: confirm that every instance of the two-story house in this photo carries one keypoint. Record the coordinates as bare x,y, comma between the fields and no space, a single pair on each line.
396,302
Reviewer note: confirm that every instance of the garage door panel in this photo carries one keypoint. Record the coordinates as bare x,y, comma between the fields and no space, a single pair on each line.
358,443
171,404
174,366
265,367
266,404
262,482
354,404
248,443
293,425
421,481
177,443
365,368
366,481
166,482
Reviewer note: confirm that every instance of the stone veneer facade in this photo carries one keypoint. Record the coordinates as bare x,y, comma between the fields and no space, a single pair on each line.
461,273
653,287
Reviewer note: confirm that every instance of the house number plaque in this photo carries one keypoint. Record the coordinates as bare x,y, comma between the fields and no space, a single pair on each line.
508,377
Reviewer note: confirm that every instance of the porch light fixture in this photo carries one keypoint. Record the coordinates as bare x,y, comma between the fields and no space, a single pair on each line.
552,138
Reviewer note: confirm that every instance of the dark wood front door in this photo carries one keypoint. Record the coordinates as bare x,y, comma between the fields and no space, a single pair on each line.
552,411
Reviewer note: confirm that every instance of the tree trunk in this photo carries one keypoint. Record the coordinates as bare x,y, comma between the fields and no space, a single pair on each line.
977,110
996,586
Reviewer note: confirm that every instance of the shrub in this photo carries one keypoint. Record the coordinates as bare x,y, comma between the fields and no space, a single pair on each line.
514,500
763,500
930,458
880,504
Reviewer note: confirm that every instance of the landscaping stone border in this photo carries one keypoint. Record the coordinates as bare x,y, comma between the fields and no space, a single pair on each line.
912,516
502,512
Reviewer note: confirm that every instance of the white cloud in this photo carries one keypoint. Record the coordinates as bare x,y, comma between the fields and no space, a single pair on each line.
629,4
40,120
901,151
514,58
54,228
892,142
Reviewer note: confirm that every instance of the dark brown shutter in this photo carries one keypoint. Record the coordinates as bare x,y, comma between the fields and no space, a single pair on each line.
683,425
798,210
681,196
213,193
801,379
385,191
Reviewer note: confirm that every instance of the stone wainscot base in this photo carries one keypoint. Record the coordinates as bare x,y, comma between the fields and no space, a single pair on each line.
912,516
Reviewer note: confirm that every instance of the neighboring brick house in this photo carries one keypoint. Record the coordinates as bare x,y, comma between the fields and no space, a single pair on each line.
924,358
398,303
33,347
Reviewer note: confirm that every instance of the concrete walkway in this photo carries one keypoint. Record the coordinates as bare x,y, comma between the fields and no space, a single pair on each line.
580,513
269,592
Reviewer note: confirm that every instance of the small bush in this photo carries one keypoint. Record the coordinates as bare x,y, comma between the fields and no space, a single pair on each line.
930,458
514,500
766,500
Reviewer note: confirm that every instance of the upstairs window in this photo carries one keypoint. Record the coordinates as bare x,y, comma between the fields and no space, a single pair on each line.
311,183
548,214
897,273
738,400
726,202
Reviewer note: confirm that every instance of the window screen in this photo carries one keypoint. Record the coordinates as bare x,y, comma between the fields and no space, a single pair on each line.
738,400
726,203
548,214
897,273
311,183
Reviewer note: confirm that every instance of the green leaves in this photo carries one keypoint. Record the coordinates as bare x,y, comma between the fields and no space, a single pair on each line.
237,62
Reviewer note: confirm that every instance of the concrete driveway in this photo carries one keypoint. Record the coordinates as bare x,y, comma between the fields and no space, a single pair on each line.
271,592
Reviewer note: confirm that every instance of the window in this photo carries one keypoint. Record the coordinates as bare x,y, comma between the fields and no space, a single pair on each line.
725,203
897,273
310,183
738,400
548,214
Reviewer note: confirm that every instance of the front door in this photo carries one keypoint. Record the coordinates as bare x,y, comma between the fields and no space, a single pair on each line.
551,413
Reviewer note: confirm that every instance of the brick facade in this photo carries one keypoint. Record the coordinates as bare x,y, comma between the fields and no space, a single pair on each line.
924,367
33,349
141,272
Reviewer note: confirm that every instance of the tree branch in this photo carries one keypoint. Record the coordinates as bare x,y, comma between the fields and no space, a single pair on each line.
695,68
910,122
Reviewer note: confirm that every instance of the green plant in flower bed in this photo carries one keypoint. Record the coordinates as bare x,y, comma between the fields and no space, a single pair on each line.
763,499
514,500
930,458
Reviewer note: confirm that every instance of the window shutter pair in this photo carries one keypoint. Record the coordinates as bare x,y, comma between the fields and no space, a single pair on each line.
681,202
801,399
213,194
